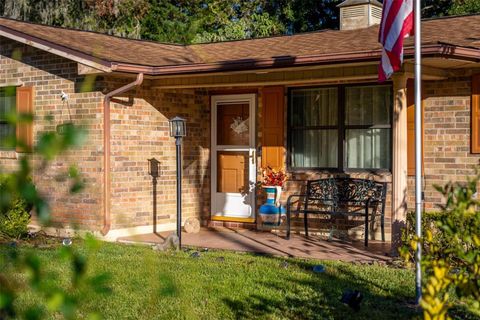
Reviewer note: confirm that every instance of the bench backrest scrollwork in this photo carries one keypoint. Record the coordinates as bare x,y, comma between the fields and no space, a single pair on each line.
334,192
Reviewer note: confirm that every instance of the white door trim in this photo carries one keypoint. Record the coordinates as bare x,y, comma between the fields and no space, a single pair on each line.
251,99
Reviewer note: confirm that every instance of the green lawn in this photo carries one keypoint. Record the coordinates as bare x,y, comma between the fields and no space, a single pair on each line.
147,284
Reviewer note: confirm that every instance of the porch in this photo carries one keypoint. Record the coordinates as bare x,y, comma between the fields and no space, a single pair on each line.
243,240
354,128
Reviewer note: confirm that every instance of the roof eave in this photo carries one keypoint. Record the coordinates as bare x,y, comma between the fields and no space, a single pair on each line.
68,53
244,64
440,50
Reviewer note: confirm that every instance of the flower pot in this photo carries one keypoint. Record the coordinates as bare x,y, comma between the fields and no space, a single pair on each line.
270,212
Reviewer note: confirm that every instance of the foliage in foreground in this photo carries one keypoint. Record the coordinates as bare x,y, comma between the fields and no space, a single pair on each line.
22,271
451,251
28,273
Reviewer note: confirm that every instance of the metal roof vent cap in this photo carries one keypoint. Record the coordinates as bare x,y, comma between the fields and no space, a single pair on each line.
357,14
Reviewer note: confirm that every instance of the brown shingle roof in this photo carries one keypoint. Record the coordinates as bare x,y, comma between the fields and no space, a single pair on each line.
461,31
106,47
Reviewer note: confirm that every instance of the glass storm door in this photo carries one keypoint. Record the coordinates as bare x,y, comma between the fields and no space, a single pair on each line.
233,156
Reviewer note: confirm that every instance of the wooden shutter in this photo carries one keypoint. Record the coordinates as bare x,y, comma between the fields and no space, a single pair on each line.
411,127
475,114
273,105
25,130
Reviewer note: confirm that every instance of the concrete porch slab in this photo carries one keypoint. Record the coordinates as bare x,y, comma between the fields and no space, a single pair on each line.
314,247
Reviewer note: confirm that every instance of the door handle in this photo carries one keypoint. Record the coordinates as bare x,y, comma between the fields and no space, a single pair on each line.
252,155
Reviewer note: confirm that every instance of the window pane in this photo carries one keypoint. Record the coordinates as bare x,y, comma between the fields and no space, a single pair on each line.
7,101
6,130
368,148
7,106
314,107
368,105
233,124
314,148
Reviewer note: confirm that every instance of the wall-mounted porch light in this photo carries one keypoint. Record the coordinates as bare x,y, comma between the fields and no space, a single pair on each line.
154,171
153,168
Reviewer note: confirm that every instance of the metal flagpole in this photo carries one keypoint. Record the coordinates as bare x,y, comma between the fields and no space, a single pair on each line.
418,147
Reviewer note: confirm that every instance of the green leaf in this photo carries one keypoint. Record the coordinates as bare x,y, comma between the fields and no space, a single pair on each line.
34,313
49,145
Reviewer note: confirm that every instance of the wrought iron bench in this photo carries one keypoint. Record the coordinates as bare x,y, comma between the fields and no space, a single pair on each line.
341,197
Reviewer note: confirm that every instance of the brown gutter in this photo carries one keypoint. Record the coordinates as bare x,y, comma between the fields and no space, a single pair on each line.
244,64
438,49
106,147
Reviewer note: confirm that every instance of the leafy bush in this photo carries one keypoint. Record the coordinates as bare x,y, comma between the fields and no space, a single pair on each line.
14,217
429,222
451,250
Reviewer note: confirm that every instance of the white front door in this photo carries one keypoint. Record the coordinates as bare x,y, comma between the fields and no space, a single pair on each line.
233,156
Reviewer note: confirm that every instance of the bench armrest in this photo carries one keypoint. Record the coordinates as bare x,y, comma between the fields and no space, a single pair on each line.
289,204
293,196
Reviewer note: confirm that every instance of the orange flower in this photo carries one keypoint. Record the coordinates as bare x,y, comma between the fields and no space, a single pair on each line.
272,177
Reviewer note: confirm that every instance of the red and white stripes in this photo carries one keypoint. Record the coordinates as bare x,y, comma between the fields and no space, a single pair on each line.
396,25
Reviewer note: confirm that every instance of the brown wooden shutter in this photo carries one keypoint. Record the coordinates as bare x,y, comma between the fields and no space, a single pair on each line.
273,105
25,130
475,114
411,127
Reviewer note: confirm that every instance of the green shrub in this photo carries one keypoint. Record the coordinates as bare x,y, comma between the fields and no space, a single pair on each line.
429,222
14,213
451,250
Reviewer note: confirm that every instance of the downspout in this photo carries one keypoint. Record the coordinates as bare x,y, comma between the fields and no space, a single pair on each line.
106,149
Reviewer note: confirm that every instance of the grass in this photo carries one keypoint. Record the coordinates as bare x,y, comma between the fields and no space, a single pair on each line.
148,284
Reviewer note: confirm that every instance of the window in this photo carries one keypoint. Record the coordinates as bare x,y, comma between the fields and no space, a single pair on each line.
342,127
7,106
314,128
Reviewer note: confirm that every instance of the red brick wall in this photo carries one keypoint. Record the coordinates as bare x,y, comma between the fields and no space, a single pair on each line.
141,132
49,75
447,138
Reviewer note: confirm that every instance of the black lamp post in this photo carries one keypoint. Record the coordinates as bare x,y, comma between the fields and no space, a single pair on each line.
178,130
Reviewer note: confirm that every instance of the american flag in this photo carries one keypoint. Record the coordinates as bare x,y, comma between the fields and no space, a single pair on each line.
396,25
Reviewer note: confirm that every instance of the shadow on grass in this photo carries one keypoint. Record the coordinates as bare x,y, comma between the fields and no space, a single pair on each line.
319,296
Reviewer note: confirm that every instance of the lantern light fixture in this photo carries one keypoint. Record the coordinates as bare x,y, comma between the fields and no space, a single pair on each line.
177,127
153,168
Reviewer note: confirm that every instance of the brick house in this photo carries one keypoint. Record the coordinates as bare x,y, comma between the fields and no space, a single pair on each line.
309,103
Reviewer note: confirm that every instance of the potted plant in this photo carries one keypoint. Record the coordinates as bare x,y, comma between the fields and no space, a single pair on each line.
272,182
